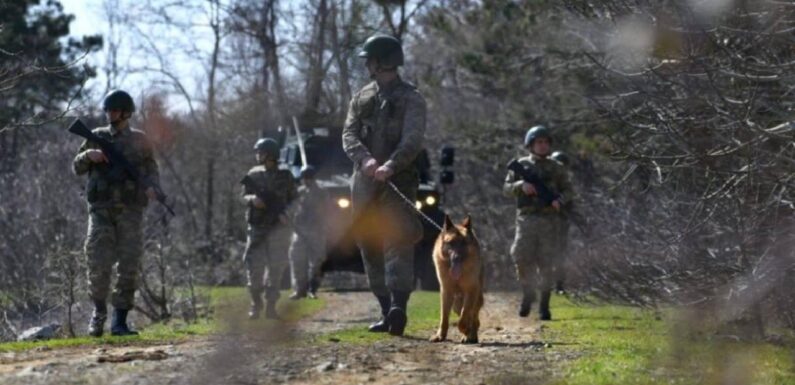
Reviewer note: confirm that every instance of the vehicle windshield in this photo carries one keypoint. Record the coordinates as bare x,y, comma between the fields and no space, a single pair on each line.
325,153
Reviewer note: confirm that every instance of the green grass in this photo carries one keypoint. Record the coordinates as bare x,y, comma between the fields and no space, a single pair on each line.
610,344
625,345
153,335
229,307
619,345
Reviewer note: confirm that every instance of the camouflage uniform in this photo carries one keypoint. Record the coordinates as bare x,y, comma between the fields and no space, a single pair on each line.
308,247
536,247
115,216
387,124
268,233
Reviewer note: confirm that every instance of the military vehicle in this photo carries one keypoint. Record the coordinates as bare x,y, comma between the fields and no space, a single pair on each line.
324,151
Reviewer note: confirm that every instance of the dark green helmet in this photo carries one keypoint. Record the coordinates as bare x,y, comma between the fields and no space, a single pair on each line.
308,172
384,48
561,157
268,146
118,100
535,133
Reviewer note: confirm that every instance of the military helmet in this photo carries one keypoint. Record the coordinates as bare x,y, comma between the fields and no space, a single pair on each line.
386,49
118,100
267,146
561,157
535,133
308,172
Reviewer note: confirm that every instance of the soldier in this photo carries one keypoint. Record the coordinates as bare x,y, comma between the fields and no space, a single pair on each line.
382,135
535,248
308,247
116,205
267,191
563,229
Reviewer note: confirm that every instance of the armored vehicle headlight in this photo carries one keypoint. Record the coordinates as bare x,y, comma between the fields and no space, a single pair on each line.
418,205
344,203
430,200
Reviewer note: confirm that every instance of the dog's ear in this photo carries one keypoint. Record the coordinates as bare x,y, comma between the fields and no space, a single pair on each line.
448,224
467,223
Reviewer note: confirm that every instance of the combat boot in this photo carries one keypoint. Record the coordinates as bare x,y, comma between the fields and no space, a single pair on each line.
527,301
270,310
96,324
543,309
256,308
118,325
382,326
397,318
559,287
314,284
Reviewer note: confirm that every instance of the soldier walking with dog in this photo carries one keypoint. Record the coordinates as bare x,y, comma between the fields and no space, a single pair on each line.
542,188
116,203
383,134
267,192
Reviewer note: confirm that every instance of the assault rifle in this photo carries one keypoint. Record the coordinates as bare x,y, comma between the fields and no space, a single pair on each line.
120,167
274,207
544,193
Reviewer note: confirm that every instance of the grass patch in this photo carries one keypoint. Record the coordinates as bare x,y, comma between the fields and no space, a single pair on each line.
423,314
155,334
626,345
618,345
229,306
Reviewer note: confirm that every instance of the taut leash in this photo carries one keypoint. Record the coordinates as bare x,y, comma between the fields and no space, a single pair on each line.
413,205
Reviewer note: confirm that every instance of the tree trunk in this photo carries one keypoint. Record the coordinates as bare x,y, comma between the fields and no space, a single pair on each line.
209,191
271,49
215,24
339,48
316,72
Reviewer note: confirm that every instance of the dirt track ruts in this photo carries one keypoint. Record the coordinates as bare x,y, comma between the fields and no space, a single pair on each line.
512,351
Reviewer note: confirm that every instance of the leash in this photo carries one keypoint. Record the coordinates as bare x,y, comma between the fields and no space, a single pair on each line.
412,204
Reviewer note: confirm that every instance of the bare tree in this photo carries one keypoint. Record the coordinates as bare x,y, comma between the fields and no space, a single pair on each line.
397,14
259,22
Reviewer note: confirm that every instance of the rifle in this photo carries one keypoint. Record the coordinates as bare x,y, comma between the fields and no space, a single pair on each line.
120,166
274,207
544,193
547,196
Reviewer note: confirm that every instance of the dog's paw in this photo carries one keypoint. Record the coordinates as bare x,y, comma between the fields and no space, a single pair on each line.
437,338
469,340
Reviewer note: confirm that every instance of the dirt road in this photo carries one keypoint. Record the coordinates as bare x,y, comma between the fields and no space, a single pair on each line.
512,351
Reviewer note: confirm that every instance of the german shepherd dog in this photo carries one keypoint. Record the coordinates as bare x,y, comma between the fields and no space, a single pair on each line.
459,268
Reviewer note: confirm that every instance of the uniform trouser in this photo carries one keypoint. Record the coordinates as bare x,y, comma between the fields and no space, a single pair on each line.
114,238
307,253
386,231
535,250
266,259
